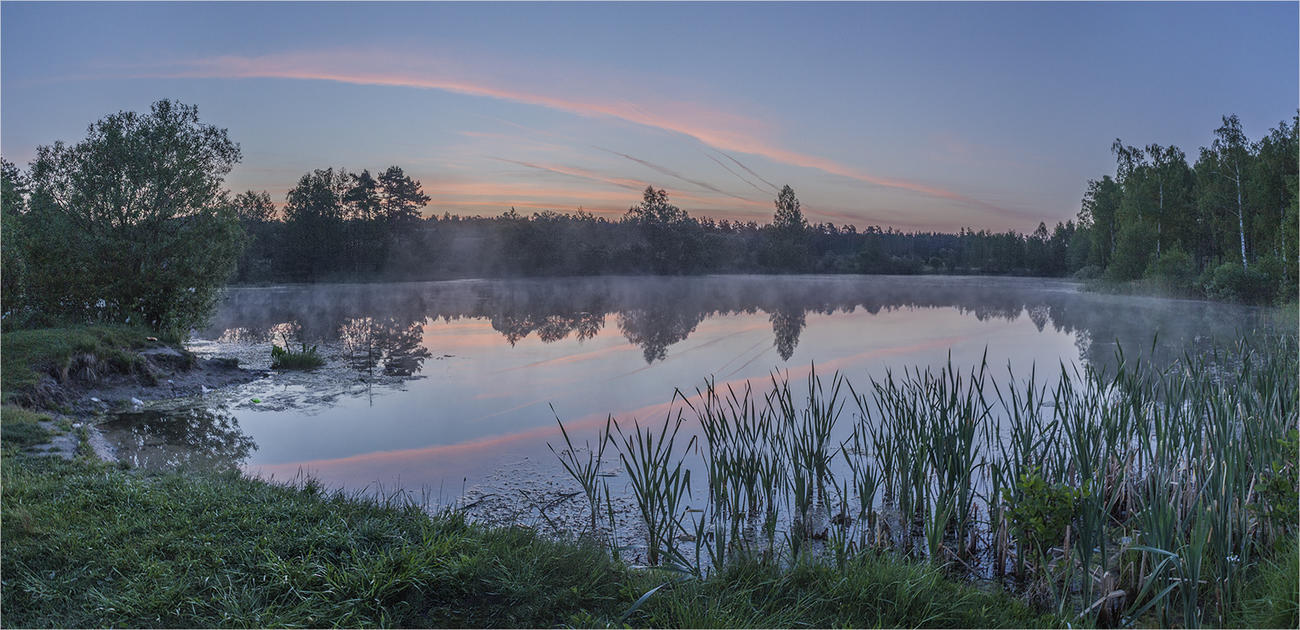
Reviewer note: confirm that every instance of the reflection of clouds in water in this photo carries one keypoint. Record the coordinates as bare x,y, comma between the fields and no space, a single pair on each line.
382,326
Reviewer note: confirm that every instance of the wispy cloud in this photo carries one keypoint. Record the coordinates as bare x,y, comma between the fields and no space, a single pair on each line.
630,184
738,175
675,175
580,173
720,130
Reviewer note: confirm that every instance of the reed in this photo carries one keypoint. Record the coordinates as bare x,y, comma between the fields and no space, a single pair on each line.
1132,495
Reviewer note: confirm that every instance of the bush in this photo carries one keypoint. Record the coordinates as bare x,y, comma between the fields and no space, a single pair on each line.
1174,270
1042,510
1088,272
1232,283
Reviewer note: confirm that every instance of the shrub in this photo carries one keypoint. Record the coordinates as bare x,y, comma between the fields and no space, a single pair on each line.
1230,282
1173,270
1088,272
1040,511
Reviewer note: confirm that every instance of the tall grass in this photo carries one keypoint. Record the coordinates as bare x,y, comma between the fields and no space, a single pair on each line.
1135,495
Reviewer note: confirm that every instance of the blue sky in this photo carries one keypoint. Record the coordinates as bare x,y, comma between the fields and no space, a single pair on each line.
916,115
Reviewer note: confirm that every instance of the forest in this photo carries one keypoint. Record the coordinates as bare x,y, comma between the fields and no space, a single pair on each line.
339,225
1223,227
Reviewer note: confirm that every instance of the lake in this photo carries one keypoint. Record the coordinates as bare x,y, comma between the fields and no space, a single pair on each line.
446,389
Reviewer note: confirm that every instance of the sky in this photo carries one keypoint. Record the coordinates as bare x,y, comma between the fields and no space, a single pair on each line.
920,116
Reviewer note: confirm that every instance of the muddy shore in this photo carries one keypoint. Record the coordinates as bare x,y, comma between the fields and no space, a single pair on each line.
84,400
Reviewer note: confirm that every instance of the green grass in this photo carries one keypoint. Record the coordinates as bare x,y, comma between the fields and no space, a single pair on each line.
1272,597
61,352
20,428
87,544
871,591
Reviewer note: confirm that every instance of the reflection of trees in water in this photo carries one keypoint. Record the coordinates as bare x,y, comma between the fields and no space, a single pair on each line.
549,328
656,329
786,325
657,312
393,346
178,440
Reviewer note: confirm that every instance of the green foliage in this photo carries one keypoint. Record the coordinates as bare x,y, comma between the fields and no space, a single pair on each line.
1174,270
1279,490
1041,511
1132,252
1230,282
131,224
13,202
1238,203
287,358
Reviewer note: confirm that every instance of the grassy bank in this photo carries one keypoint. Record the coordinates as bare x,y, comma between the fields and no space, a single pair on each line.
21,428
88,544
70,352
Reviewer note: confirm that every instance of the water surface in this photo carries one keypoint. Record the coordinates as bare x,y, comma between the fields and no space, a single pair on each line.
446,388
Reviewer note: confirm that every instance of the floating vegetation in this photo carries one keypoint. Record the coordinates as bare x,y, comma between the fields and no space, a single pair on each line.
1111,496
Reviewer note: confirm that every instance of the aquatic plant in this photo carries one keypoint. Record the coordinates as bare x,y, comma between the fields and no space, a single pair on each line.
1120,496
286,358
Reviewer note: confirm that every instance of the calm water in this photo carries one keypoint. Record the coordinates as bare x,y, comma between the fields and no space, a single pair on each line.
447,387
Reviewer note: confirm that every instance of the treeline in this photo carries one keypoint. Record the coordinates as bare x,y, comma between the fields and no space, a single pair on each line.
337,225
1224,227
134,224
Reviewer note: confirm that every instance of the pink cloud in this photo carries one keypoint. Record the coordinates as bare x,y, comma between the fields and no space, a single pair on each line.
720,130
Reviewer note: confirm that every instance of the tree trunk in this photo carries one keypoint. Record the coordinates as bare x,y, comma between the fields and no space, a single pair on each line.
1160,217
1241,218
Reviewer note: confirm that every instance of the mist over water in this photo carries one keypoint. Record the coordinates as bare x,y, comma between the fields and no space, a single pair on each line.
445,387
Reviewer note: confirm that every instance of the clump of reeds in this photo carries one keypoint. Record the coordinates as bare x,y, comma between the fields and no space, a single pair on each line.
1116,495
286,358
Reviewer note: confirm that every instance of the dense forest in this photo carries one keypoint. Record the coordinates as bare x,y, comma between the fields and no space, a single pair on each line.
134,222
337,225
1224,226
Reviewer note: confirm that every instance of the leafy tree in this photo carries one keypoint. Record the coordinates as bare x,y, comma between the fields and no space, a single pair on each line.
789,216
361,199
133,222
254,207
787,247
13,202
666,230
1272,189
1222,170
1100,215
257,215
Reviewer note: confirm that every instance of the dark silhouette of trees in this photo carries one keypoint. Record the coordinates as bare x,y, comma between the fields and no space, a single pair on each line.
314,223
